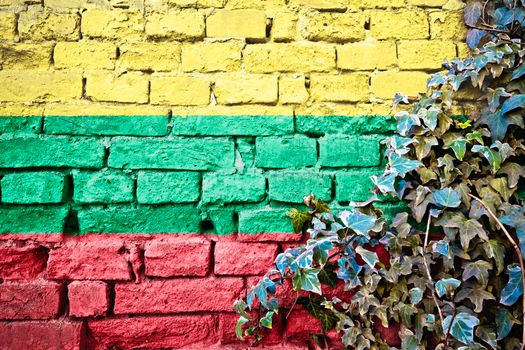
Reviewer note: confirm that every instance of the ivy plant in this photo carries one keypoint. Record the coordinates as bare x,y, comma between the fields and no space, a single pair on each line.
455,273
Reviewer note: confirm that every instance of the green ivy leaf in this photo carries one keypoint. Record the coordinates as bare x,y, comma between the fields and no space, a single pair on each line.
479,269
514,288
299,219
488,335
493,157
447,197
476,295
360,223
459,147
462,327
504,323
444,285
416,295
266,321
314,306
238,327
515,218
385,183
403,165
495,250
308,280
370,258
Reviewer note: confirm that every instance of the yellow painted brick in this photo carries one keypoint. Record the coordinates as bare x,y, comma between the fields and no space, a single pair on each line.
332,27
36,24
212,56
424,54
88,108
353,109
284,26
322,4
463,50
340,88
180,90
427,3
197,3
255,4
22,56
454,5
129,87
399,25
20,110
24,86
114,24
367,55
85,55
250,24
375,4
159,57
292,90
293,57
7,25
386,84
236,89
232,110
177,25
447,25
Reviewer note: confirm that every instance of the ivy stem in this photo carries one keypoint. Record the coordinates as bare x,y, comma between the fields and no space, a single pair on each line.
450,328
427,268
518,253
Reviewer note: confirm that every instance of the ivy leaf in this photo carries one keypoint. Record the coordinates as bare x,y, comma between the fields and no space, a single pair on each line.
513,102
488,335
240,307
472,13
370,258
405,122
299,219
266,321
476,295
459,147
468,228
493,157
447,197
402,165
473,37
479,269
504,323
308,280
360,223
385,183
416,295
515,218
495,250
514,288
518,72
513,171
441,247
314,306
462,327
444,285
238,327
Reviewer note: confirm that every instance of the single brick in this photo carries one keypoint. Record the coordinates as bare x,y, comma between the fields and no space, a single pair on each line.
102,187
399,25
322,4
238,89
233,188
292,187
258,4
35,24
120,24
144,219
38,300
242,125
256,258
154,125
340,88
177,256
25,262
153,332
177,153
285,152
7,25
180,295
249,24
23,86
88,298
223,220
367,55
292,90
447,25
167,187
33,188
41,335
23,56
355,5
264,221
354,185
158,57
180,90
212,56
318,126
128,87
33,220
424,54
43,151
20,125
344,151
85,55
284,26
176,25
333,27
385,85
292,57
99,258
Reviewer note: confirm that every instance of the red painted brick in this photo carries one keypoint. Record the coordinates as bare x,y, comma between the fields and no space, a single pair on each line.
152,332
88,298
271,237
89,259
243,259
177,295
301,324
48,335
33,300
227,324
22,262
177,256
40,238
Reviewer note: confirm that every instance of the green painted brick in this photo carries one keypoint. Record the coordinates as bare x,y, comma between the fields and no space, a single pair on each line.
233,188
286,152
354,185
391,209
33,188
243,125
167,187
349,151
102,187
20,125
143,219
318,126
173,153
107,125
55,151
33,219
292,187
265,221
223,220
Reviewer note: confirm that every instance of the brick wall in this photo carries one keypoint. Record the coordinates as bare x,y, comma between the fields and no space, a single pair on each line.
149,150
